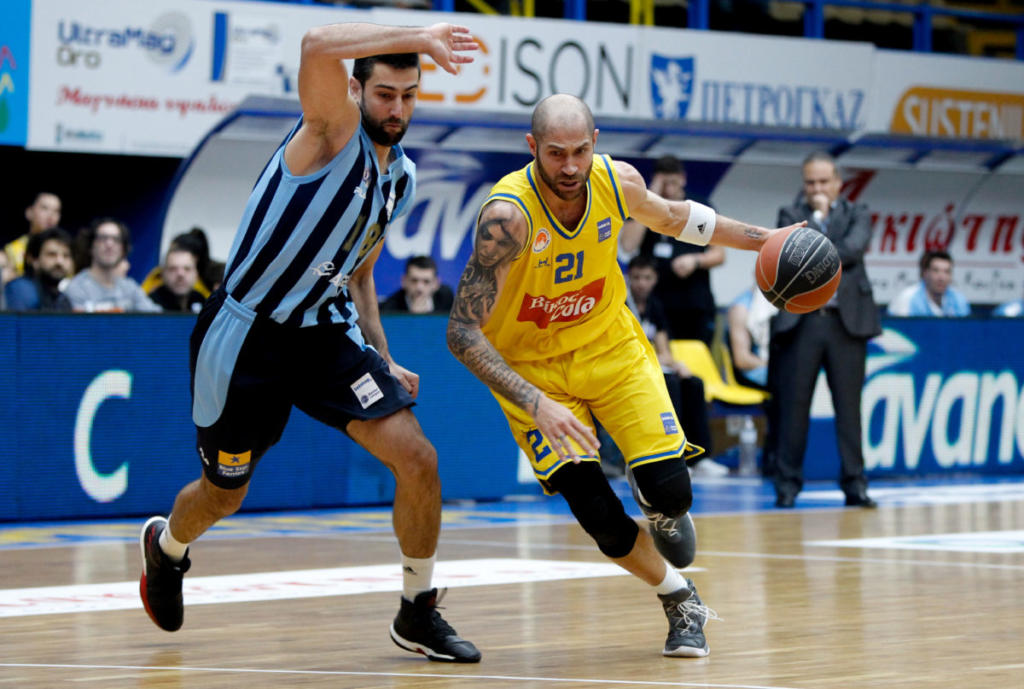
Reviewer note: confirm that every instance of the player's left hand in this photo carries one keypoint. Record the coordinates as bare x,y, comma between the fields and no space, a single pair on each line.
448,43
409,380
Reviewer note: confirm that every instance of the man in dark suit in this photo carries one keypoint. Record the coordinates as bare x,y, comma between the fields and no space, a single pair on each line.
835,337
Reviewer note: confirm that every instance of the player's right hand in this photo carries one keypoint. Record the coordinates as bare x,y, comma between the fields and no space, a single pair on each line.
559,426
448,42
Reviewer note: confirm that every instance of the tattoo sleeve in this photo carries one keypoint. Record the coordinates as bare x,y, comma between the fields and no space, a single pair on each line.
499,239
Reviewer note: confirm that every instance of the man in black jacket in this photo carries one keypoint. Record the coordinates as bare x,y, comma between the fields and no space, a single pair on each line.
835,337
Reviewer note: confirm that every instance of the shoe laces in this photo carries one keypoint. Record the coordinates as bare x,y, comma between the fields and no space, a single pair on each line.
689,612
434,618
666,525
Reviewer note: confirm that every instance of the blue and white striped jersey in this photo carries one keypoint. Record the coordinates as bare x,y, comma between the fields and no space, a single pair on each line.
301,237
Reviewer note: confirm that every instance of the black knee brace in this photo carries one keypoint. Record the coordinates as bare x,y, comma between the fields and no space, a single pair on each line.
665,486
596,507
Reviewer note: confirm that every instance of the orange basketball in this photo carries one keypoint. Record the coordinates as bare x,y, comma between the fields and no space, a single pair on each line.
798,270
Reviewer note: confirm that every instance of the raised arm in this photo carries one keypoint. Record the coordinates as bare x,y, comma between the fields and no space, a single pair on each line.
501,234
671,217
330,114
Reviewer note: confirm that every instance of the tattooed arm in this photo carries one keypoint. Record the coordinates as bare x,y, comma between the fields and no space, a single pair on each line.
669,217
501,234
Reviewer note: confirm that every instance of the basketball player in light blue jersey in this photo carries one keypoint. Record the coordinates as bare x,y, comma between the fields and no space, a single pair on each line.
296,322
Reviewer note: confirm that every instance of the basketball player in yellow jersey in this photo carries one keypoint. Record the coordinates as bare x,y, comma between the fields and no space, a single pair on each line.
540,317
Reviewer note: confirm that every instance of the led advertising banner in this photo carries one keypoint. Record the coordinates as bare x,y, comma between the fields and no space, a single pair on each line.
942,396
96,421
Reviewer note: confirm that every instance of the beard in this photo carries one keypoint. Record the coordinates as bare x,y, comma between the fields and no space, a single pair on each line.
51,278
552,183
379,135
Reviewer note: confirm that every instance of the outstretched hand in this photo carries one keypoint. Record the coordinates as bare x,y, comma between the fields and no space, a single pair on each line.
447,45
559,425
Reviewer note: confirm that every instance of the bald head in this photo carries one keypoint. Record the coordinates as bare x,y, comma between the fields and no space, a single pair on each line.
561,112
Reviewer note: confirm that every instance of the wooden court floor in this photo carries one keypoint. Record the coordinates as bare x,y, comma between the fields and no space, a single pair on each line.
795,613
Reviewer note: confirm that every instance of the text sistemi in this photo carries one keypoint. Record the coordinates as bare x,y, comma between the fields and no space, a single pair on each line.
818,107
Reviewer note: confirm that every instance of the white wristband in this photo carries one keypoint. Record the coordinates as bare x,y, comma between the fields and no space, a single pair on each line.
699,226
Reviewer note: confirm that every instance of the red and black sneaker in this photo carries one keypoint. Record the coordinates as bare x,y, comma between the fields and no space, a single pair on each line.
419,628
160,585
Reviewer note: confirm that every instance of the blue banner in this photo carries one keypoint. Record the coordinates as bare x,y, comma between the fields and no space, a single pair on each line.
942,396
95,419
14,59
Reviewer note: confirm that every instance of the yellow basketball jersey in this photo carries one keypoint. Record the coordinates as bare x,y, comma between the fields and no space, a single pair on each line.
566,287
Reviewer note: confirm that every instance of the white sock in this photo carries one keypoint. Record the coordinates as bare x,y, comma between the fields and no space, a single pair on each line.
416,575
172,548
673,581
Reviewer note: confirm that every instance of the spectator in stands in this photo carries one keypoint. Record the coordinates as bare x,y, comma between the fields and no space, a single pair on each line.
179,275
102,286
47,265
749,319
209,272
421,291
43,214
835,337
934,295
685,389
684,278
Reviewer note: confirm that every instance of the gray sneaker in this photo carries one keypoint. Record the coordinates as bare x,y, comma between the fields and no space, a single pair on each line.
674,537
686,615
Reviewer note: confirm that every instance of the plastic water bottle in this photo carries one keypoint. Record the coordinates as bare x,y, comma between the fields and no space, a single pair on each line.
748,447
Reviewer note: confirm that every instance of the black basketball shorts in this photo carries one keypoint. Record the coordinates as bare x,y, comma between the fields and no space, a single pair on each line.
248,372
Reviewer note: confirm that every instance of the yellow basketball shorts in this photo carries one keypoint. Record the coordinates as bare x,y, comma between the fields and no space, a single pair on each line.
616,378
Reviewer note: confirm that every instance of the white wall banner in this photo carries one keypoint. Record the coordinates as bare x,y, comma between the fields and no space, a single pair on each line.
153,78
943,95
977,218
646,72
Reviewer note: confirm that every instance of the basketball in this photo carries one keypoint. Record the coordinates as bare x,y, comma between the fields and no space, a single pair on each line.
798,270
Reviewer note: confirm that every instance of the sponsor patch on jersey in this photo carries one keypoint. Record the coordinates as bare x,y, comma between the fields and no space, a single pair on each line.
233,464
604,229
668,422
366,390
541,241
571,306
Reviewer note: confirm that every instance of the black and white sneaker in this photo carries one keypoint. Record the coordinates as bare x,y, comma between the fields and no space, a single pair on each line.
687,616
674,537
160,585
419,627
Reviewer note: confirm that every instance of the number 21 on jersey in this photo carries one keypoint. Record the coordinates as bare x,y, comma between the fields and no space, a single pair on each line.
568,267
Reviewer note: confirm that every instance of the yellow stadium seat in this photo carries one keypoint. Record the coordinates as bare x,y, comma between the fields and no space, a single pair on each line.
697,357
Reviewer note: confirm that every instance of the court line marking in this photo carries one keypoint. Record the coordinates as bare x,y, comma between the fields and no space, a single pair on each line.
1003,542
295,584
416,675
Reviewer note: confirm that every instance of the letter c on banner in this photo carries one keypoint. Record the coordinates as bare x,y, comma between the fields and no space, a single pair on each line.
100,487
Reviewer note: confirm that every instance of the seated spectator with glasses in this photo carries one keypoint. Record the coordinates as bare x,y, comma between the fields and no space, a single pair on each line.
101,286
